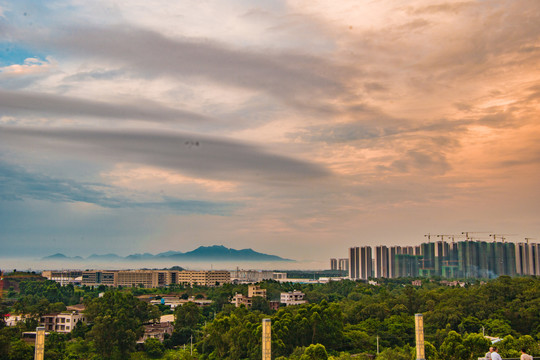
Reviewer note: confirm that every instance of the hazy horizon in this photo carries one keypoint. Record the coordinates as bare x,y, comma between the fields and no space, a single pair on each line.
293,128
39,264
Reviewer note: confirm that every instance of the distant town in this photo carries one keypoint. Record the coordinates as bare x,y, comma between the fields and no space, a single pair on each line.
198,314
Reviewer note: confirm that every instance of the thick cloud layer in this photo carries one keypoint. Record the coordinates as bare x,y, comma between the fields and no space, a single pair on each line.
311,126
194,154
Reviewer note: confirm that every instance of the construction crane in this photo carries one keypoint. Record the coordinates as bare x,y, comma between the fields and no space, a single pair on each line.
428,235
500,236
469,238
448,236
527,239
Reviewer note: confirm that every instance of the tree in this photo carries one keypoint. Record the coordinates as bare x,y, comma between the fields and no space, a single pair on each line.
117,323
56,343
7,336
452,348
19,350
476,345
393,354
315,352
78,349
261,304
188,315
527,342
187,320
498,327
79,330
430,351
154,348
3,313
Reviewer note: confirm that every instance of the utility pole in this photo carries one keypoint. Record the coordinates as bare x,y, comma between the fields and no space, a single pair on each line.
191,345
377,344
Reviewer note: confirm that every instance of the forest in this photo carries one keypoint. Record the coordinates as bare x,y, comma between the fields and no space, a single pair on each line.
342,320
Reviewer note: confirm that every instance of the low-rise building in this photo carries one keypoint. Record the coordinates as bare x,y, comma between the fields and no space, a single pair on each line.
174,301
239,276
99,277
280,276
62,322
274,305
130,278
135,278
63,277
255,290
157,331
293,298
12,320
150,278
204,277
239,300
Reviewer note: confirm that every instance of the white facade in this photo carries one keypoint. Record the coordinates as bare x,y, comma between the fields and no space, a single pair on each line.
293,298
63,322
63,277
250,276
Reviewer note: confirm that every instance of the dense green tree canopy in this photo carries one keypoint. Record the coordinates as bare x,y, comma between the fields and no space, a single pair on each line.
343,317
117,320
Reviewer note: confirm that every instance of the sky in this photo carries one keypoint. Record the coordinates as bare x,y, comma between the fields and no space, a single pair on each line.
296,128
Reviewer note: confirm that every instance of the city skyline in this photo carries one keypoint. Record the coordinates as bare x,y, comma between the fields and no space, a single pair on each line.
294,128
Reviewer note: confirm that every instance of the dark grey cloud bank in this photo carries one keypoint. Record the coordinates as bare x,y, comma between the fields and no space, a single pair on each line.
284,75
196,155
16,183
51,104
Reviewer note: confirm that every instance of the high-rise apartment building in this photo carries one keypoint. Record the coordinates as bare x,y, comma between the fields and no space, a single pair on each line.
360,263
333,264
343,265
407,265
527,259
382,269
394,250
462,259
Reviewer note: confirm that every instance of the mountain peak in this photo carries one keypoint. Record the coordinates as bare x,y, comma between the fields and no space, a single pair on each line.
218,253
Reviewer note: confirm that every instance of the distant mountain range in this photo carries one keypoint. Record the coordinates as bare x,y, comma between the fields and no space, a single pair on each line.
216,253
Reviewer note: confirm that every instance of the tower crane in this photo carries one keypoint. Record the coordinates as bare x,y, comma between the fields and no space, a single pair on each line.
448,236
528,238
500,236
469,238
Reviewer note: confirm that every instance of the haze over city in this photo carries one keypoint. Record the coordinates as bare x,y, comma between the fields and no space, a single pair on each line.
295,128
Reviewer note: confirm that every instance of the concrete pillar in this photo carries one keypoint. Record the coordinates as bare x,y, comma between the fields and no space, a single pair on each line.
40,343
419,325
266,339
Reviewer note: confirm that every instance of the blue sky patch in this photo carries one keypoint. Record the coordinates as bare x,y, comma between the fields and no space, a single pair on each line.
11,54
17,184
